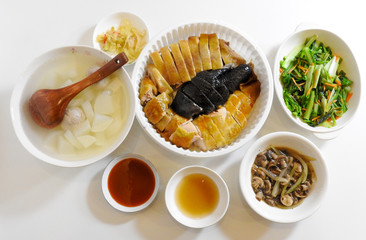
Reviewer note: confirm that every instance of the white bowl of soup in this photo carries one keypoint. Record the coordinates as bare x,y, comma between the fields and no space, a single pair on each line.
97,120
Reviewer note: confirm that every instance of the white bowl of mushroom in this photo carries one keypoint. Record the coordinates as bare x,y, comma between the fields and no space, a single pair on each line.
187,104
283,177
97,120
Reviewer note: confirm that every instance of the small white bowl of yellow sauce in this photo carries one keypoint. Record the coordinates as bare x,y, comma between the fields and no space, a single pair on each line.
197,197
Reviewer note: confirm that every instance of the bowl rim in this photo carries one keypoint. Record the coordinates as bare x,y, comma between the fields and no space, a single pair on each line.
217,152
192,222
245,174
15,111
107,194
320,132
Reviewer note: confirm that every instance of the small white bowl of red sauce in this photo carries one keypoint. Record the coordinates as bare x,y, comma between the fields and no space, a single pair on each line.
130,183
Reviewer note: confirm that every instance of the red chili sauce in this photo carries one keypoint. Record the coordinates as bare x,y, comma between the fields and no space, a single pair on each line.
131,182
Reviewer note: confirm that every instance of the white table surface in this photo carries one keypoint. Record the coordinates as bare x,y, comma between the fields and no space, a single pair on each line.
41,201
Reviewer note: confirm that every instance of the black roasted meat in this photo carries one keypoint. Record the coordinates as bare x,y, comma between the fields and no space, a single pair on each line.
184,106
213,78
233,79
197,96
208,90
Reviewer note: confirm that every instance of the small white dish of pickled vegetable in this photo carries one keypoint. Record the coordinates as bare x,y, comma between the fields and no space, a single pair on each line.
97,120
121,32
301,145
328,112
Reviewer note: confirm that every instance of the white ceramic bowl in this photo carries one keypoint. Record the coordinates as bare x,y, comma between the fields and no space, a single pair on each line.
114,20
244,46
32,136
107,193
349,65
311,203
209,220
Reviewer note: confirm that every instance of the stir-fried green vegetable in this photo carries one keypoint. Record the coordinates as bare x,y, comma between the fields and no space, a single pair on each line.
314,88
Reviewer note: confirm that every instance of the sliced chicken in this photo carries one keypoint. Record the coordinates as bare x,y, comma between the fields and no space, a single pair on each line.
147,90
179,63
214,46
219,118
159,64
187,134
205,52
232,105
252,90
201,123
245,103
156,108
214,131
187,56
195,51
170,67
161,125
228,127
159,80
173,124
229,55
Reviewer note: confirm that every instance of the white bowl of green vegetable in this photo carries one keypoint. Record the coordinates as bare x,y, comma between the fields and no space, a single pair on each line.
317,81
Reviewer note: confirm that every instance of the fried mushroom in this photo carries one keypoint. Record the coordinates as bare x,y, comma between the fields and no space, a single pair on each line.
303,190
257,183
267,187
287,200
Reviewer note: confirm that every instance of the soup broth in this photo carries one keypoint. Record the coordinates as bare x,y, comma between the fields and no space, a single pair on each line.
95,117
197,195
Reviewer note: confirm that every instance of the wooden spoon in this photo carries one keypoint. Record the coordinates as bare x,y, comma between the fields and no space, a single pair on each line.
47,106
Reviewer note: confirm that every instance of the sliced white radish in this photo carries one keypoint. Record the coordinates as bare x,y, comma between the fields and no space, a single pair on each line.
86,140
92,70
101,122
76,102
82,128
104,103
88,110
72,139
115,84
102,83
87,94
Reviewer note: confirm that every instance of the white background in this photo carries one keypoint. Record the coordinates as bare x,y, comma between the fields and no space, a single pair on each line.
41,201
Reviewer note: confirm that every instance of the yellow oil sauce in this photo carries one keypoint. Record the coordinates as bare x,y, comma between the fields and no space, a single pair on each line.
197,195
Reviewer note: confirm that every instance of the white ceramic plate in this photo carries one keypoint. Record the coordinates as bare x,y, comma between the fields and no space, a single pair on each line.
311,203
209,220
114,20
32,136
107,194
244,46
349,65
